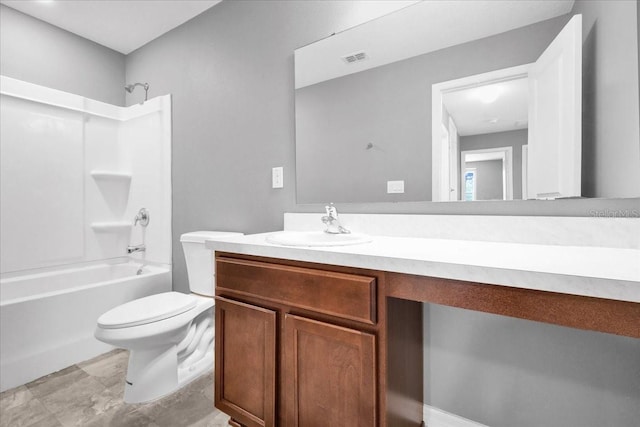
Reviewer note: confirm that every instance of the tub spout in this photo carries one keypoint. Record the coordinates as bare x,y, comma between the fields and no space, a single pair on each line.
136,248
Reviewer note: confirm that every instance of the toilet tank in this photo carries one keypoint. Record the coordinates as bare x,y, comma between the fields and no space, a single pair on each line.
200,266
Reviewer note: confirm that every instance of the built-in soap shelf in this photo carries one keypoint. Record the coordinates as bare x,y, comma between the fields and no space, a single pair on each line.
111,175
110,226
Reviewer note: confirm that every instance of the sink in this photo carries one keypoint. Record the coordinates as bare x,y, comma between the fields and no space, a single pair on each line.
316,238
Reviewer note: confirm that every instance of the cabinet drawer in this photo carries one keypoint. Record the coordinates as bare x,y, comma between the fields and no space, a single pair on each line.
348,296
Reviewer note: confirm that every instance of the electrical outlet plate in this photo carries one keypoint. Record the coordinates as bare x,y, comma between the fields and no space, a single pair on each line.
395,187
277,177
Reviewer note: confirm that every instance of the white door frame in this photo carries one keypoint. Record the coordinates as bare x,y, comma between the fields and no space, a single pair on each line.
445,160
525,172
499,153
454,163
437,92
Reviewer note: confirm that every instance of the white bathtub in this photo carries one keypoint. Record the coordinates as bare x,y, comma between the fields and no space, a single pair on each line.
47,319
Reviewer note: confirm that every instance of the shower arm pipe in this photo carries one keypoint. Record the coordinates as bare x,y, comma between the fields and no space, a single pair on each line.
131,87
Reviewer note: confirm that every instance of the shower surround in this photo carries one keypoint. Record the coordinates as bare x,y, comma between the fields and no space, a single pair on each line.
74,173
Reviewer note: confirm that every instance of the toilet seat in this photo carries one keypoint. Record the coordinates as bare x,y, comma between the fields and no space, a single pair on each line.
147,310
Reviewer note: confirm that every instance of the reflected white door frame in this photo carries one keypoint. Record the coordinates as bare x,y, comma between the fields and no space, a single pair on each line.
437,92
454,163
525,172
499,153
445,162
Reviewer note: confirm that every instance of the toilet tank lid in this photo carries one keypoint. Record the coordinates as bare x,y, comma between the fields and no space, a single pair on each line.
201,236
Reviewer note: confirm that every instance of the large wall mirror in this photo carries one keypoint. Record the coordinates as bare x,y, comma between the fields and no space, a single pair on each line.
463,101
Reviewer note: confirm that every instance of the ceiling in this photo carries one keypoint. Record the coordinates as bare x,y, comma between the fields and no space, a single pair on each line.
497,107
426,26
123,26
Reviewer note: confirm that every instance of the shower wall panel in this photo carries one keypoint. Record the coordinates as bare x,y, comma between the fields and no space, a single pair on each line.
149,163
41,182
75,172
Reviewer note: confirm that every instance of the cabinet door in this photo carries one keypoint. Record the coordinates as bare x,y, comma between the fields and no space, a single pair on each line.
329,374
245,362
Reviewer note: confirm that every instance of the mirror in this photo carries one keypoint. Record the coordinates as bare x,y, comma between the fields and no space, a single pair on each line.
365,115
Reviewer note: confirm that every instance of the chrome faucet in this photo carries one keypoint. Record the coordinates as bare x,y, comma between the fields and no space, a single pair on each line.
136,248
332,222
142,217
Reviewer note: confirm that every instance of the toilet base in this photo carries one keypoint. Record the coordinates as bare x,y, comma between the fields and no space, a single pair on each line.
151,374
157,372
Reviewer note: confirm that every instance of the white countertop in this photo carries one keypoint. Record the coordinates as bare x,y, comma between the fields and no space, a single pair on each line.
612,273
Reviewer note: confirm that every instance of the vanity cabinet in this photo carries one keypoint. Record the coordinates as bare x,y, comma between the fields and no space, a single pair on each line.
300,344
296,346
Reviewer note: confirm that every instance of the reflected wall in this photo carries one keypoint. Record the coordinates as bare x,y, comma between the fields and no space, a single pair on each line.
390,108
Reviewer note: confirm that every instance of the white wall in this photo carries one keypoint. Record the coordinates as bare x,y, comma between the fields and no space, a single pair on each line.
54,209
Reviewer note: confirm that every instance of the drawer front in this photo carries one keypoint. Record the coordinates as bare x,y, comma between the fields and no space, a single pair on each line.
342,295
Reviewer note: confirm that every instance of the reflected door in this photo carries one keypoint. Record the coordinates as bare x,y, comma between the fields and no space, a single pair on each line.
555,137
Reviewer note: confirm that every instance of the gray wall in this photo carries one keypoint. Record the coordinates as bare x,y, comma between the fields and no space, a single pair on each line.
37,52
336,120
515,139
610,107
230,73
506,372
390,106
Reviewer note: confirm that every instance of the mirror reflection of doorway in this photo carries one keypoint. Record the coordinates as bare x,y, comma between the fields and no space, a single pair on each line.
541,101
487,117
488,172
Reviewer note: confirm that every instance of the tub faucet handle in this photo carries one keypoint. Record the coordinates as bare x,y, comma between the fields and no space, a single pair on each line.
142,217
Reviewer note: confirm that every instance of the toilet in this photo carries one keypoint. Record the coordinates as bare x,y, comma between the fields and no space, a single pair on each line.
169,335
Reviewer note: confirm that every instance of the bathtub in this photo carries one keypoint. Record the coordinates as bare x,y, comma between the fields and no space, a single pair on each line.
47,319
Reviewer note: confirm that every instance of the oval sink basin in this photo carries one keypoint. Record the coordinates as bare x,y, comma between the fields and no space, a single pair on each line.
316,238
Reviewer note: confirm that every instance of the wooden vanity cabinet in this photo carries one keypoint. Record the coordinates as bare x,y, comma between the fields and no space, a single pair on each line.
304,345
296,346
245,370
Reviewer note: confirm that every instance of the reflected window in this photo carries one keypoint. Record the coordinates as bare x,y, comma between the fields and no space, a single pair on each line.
470,185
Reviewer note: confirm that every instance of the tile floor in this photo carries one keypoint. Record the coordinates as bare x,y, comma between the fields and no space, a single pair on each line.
89,394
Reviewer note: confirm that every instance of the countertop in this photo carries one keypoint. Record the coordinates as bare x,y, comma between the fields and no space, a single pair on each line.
604,272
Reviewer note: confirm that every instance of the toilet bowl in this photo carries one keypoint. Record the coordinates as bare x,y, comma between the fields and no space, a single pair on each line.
169,335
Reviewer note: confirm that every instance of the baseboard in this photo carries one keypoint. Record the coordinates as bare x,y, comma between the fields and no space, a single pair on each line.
434,417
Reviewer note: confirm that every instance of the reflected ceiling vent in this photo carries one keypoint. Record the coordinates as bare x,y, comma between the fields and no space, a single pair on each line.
355,57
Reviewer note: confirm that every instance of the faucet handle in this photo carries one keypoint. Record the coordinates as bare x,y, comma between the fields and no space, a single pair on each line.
332,222
332,212
142,217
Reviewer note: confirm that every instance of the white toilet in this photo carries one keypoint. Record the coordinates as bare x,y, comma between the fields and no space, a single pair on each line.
169,335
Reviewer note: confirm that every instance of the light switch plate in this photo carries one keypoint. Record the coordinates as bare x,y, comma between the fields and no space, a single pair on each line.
277,177
395,187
